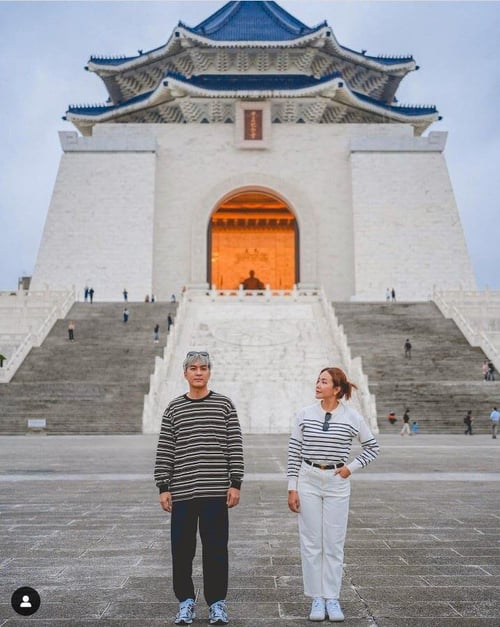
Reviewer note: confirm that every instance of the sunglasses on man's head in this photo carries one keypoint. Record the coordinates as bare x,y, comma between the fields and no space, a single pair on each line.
197,354
326,424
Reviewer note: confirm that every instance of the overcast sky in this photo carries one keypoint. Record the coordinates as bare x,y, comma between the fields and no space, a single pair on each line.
45,46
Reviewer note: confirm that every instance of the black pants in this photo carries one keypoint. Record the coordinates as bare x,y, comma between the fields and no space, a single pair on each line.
210,514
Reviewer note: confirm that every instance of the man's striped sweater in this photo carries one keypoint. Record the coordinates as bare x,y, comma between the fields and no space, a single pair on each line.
200,450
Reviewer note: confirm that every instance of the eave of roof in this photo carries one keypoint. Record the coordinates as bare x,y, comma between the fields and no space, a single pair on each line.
251,24
251,86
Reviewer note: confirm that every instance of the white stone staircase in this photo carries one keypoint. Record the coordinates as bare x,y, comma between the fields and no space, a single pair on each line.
266,348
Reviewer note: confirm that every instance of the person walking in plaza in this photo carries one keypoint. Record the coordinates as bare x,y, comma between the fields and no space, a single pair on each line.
156,333
125,294
406,423
198,471
468,420
494,417
319,486
407,347
125,315
170,322
91,294
71,330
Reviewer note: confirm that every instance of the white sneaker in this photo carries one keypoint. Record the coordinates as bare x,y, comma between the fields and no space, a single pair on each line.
185,615
218,613
335,614
317,609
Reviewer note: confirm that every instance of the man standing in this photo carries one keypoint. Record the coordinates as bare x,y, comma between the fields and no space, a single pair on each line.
491,371
407,347
406,423
468,420
199,470
494,417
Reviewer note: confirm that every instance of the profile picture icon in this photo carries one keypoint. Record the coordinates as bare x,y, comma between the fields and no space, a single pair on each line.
25,601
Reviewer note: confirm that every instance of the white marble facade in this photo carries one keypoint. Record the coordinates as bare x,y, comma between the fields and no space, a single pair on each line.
374,205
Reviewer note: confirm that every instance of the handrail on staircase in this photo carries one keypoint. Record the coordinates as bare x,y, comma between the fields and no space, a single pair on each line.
35,337
452,304
353,365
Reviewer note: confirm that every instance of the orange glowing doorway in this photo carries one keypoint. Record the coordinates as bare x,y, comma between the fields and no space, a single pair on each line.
253,230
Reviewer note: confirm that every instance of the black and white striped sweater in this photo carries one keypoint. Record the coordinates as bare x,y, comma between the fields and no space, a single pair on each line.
200,450
309,441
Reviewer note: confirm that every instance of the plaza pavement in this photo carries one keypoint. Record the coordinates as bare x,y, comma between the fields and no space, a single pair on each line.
80,523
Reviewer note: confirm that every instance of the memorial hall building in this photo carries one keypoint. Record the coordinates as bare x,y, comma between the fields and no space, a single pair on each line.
253,141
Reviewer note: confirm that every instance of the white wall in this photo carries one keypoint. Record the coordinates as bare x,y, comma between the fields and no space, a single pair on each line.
374,205
99,228
407,229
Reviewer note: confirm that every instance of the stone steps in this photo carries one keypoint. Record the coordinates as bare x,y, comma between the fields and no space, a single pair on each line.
95,384
266,356
440,382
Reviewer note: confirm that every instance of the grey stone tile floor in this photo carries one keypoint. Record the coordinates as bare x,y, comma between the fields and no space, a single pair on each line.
80,523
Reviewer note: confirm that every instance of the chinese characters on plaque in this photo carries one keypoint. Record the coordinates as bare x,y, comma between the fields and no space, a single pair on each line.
253,124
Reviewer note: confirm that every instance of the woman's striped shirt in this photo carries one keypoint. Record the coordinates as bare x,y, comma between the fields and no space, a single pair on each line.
309,441
200,450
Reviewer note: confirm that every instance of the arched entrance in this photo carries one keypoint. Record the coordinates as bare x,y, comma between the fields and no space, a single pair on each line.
253,230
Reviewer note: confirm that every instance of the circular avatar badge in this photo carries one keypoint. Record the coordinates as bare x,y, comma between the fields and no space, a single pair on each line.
25,601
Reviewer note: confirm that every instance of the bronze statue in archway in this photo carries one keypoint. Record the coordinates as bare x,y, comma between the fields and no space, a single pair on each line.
253,230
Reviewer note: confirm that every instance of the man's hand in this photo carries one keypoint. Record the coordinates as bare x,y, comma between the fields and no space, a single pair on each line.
166,501
293,501
233,497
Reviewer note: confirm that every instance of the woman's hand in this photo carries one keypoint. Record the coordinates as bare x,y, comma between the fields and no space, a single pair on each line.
293,501
344,472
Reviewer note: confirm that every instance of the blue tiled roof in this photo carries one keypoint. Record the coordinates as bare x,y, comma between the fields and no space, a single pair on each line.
252,21
252,82
104,108
246,21
110,60
404,109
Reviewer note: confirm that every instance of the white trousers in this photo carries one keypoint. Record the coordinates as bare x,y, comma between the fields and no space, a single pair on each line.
405,429
324,509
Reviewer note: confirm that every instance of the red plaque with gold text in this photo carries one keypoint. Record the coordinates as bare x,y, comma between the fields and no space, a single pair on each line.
253,124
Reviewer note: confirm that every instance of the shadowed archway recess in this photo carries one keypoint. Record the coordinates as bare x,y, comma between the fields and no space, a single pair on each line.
253,230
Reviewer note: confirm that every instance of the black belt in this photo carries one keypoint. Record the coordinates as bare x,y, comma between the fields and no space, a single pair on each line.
325,466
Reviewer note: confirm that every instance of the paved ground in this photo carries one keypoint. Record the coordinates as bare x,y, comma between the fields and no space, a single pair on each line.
81,524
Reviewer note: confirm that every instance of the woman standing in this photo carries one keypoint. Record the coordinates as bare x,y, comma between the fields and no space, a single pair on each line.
319,486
